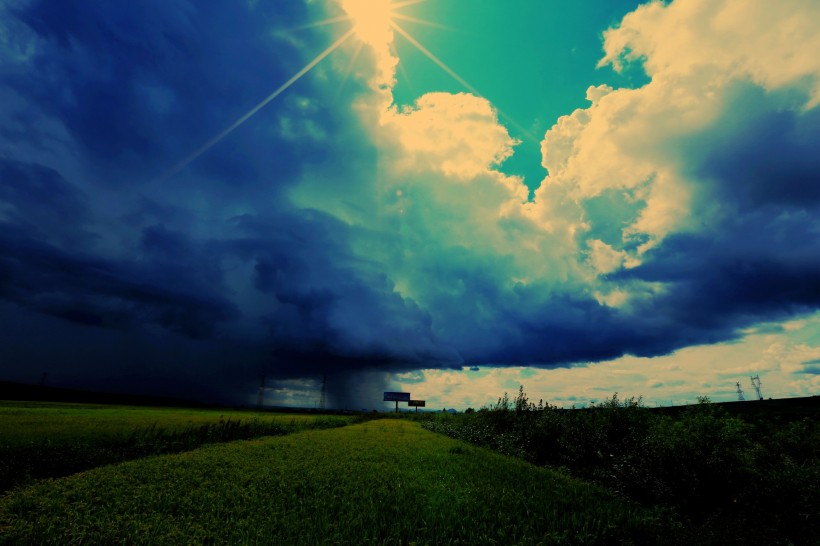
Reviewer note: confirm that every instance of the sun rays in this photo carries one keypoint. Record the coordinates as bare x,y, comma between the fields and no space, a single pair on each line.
371,20
372,23
245,117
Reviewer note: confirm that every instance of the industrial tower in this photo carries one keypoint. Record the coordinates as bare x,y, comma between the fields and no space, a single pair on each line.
740,393
756,385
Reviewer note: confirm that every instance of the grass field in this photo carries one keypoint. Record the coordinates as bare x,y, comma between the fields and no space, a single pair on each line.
382,482
728,478
27,422
41,439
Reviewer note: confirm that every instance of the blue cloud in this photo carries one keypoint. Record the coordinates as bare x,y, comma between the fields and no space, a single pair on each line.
276,253
137,84
811,367
754,259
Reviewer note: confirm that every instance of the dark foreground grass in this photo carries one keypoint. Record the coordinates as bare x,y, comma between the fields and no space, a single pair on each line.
383,482
728,479
46,440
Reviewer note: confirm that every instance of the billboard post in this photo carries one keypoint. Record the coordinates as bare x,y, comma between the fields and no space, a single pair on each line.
397,397
417,403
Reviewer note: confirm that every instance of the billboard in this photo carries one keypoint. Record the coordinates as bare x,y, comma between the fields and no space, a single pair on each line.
417,403
396,396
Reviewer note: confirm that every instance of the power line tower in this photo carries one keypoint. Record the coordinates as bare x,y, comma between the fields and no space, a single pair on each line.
260,399
756,385
323,393
740,393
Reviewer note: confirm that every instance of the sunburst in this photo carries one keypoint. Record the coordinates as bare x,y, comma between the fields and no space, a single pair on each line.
373,23
371,19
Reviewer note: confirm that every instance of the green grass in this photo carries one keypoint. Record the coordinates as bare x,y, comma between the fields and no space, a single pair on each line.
30,422
727,480
382,482
42,440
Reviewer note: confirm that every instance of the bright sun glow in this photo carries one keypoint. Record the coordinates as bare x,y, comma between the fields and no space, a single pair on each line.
372,19
373,23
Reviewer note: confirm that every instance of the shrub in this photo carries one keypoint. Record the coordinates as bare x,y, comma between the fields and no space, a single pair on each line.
717,472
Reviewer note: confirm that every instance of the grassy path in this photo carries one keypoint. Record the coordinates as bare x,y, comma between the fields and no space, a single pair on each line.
382,482
49,440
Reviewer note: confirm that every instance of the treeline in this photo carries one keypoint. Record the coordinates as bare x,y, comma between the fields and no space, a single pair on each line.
725,479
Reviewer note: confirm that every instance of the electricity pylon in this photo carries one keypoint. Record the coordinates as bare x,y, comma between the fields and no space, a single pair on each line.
756,385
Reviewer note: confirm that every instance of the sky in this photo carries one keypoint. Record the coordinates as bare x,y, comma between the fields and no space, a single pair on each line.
443,197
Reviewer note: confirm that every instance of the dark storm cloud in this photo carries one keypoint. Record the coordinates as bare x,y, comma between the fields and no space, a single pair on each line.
39,199
811,367
333,310
106,96
47,221
106,293
568,329
757,257
771,162
203,282
753,258
132,360
140,85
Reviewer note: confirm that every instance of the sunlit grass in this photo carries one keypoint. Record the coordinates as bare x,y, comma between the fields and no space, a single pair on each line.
26,422
42,440
385,482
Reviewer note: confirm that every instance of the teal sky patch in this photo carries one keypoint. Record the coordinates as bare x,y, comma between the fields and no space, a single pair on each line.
532,60
527,373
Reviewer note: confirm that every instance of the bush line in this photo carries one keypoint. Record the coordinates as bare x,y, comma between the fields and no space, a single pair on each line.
724,477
